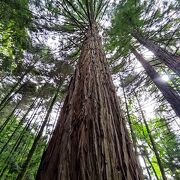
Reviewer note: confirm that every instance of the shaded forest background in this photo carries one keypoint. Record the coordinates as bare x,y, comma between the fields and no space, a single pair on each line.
39,50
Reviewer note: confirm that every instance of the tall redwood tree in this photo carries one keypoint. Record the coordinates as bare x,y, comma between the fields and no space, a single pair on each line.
90,141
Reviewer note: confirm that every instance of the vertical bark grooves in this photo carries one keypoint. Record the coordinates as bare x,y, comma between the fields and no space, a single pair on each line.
90,141
169,94
172,61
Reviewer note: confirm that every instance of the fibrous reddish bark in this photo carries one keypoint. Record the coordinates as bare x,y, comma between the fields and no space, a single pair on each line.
90,141
172,61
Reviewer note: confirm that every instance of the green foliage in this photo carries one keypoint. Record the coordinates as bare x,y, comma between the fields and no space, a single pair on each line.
11,161
145,18
167,143
14,39
127,18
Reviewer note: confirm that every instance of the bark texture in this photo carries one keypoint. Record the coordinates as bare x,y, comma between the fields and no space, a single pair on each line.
169,94
90,141
172,61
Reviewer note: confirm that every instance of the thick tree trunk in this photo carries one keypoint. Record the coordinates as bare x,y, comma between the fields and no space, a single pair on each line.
90,141
169,94
172,61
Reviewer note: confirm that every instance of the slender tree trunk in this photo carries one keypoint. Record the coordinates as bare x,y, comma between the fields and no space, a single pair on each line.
171,164
18,126
90,141
172,61
38,137
169,94
146,154
9,117
11,153
152,141
133,135
6,100
13,89
147,168
150,163
134,140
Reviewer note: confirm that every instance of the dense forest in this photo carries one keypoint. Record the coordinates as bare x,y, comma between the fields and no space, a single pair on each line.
89,89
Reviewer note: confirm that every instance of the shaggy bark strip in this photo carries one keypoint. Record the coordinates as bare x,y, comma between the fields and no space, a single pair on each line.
90,141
